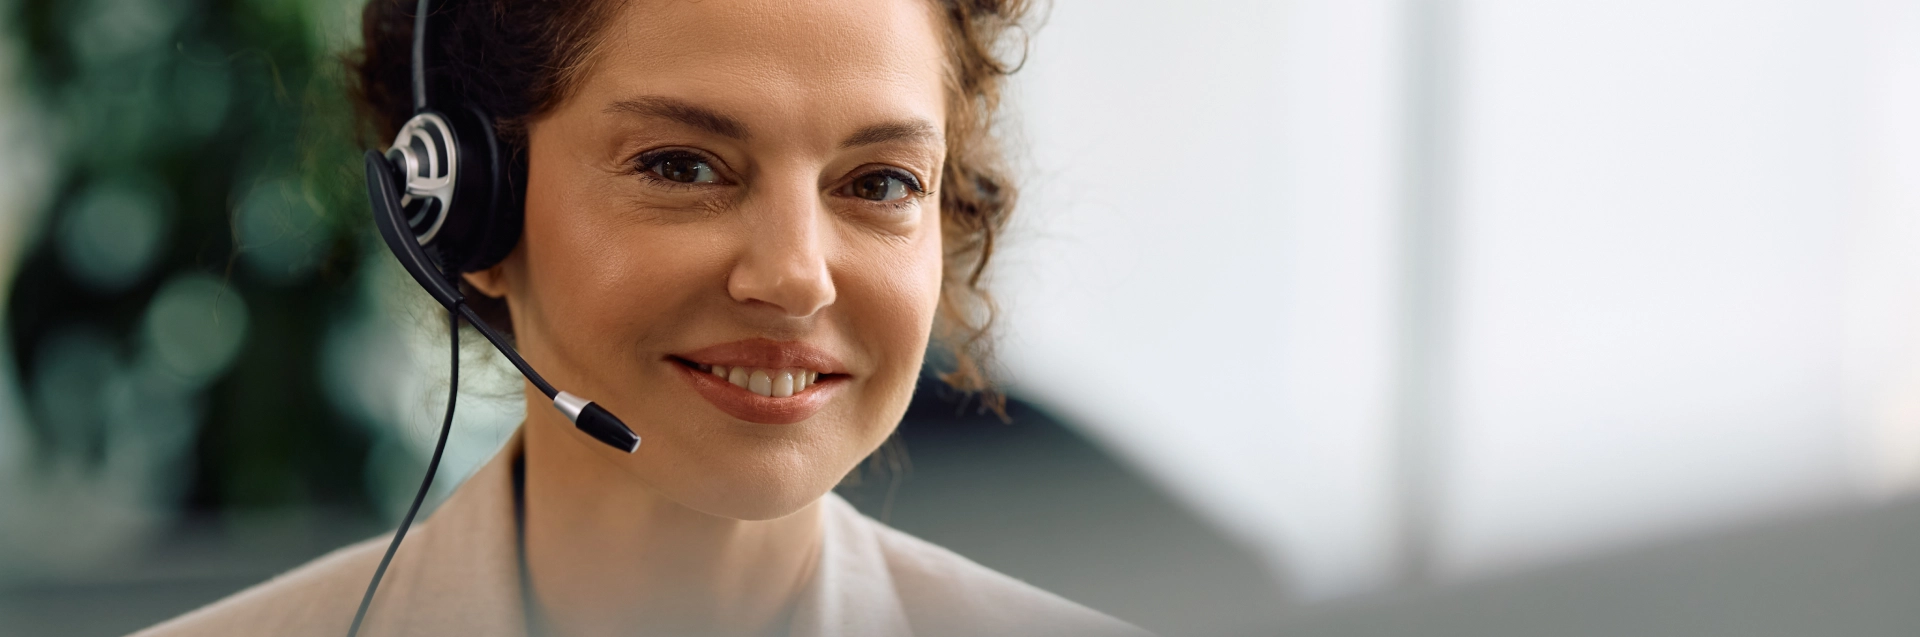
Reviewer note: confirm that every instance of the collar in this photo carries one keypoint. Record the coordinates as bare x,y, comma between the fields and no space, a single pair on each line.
464,573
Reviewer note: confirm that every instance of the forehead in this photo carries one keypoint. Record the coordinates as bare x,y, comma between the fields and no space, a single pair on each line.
775,63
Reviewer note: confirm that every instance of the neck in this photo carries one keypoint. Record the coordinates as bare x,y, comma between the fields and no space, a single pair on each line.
606,555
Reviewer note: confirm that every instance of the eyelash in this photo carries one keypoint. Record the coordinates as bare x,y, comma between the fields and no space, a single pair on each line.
915,191
644,163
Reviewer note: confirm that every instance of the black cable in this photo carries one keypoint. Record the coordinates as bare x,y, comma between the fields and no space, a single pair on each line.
420,56
506,349
433,466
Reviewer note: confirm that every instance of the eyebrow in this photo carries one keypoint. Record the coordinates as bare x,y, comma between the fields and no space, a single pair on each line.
717,123
683,112
913,130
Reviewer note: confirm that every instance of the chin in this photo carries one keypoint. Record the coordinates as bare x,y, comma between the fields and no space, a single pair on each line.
763,485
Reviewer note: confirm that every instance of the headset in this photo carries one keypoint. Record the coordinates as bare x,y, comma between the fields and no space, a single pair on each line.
440,159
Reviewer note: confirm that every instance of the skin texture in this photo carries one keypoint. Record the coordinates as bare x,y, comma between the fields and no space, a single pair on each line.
711,527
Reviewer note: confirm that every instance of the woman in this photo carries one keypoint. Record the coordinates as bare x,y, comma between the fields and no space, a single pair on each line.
744,222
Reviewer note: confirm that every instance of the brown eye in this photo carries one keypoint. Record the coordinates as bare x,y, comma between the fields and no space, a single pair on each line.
685,168
881,186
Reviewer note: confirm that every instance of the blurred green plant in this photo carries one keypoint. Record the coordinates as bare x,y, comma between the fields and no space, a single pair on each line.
203,226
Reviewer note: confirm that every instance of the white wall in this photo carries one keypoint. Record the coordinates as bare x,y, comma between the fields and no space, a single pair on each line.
1678,289
1202,270
1654,200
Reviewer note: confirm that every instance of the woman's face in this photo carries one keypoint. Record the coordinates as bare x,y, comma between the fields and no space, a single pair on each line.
742,184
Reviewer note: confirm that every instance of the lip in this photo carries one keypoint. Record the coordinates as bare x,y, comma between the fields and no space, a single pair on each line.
736,401
770,354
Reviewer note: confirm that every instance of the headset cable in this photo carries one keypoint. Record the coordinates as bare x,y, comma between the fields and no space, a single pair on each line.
433,466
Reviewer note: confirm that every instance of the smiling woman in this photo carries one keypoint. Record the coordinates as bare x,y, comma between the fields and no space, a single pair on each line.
741,224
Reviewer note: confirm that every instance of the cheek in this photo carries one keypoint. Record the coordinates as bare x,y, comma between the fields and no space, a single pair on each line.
624,269
892,296
601,275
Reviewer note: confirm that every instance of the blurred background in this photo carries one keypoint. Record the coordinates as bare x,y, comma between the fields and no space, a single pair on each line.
1322,317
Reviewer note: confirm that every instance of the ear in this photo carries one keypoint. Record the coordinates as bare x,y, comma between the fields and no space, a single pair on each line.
491,281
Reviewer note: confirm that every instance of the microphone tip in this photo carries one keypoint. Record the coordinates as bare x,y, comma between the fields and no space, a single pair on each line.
597,422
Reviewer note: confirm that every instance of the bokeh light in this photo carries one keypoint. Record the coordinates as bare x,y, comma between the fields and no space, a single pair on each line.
115,231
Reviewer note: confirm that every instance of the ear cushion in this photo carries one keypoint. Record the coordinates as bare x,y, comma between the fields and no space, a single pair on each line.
484,223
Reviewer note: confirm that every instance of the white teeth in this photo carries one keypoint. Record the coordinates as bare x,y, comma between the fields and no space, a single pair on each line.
772,383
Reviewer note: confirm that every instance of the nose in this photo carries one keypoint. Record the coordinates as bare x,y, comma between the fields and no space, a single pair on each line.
784,261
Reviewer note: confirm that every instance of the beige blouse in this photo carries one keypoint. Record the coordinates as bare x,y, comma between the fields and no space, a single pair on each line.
458,574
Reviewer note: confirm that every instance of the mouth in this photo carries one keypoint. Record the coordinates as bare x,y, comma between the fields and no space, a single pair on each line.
762,381
765,382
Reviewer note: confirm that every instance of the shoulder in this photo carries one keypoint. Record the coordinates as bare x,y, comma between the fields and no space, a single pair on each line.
318,598
944,593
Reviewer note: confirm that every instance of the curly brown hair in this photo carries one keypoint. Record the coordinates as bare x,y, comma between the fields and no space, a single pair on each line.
518,59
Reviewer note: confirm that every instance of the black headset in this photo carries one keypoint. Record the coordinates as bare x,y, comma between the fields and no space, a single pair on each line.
440,159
